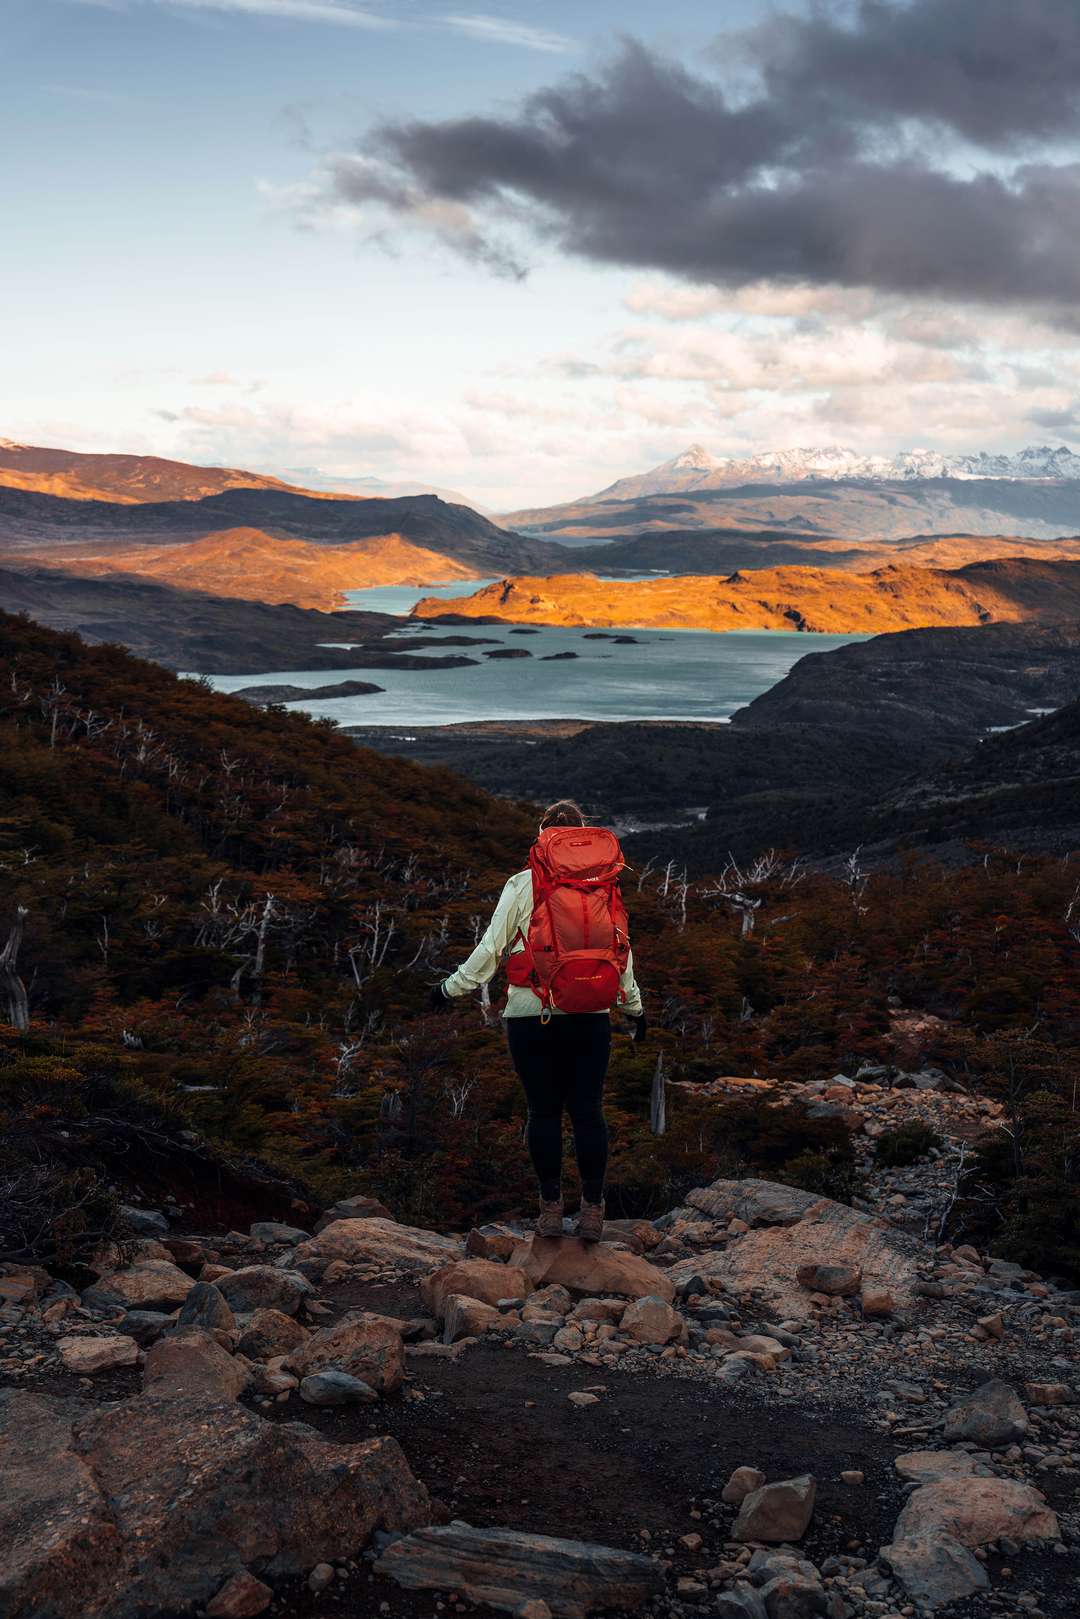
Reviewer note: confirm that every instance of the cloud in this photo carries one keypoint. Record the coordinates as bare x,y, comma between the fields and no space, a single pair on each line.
502,31
339,12
644,163
992,70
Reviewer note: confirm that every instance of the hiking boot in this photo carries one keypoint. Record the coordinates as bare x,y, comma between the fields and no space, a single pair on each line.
590,1222
549,1222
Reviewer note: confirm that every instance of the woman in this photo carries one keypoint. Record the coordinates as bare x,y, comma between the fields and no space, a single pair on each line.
561,1056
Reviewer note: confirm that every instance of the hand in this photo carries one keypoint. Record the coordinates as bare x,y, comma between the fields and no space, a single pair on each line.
440,1000
640,1029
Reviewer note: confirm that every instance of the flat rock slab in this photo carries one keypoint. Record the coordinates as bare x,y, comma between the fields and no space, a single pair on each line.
791,1230
975,1511
592,1268
85,1356
507,1567
375,1240
156,1284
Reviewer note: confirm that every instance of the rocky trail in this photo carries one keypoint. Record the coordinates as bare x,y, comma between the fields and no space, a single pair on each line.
763,1405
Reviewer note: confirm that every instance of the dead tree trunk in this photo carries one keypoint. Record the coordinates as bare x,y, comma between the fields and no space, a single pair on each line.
14,988
658,1104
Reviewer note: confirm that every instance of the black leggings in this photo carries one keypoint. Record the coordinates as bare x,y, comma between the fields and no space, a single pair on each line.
563,1064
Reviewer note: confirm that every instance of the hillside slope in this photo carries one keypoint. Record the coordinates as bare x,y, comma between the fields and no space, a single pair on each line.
38,525
245,562
212,635
809,599
125,479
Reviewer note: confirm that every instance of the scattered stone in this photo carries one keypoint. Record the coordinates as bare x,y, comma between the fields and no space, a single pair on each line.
835,1281
335,1387
742,1481
506,1567
992,1416
264,1287
469,1318
364,1346
191,1361
923,1466
852,1476
272,1231
877,1304
775,1512
86,1356
934,1569
650,1320
271,1332
242,1597
320,1577
992,1325
482,1279
155,1284
144,1222
1049,1394
206,1306
580,1397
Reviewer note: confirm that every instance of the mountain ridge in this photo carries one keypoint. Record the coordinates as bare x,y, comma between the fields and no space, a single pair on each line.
809,599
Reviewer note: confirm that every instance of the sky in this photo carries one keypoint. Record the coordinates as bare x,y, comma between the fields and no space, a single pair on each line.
522,251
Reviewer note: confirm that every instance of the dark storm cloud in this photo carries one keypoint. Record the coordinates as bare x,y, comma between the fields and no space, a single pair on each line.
817,178
994,70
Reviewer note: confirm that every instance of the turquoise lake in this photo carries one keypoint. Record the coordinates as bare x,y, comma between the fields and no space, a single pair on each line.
664,674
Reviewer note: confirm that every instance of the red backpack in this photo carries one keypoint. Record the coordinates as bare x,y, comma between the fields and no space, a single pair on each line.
578,942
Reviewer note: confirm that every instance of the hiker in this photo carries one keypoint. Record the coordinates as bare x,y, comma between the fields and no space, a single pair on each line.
562,928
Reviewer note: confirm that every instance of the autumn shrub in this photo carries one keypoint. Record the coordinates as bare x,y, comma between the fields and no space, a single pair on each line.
905,1145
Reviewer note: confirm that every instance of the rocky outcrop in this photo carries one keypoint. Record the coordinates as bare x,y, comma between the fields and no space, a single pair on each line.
793,1235
506,1569
150,1506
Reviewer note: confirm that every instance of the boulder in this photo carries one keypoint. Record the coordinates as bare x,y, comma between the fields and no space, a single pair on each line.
776,1512
591,1267
490,1244
836,1281
483,1279
148,1507
242,1597
146,1325
923,1466
206,1306
934,1569
144,1222
977,1510
468,1318
379,1241
740,1484
991,1415
740,1602
506,1568
263,1287
791,1230
86,1356
154,1284
271,1332
366,1347
272,1231
191,1361
353,1208
332,1386
651,1321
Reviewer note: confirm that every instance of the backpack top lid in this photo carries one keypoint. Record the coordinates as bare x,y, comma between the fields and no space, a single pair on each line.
577,854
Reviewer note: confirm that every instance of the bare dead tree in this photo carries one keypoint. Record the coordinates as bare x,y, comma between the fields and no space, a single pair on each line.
14,988
744,888
658,1100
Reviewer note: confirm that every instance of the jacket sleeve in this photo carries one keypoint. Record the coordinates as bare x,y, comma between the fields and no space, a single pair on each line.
628,984
501,932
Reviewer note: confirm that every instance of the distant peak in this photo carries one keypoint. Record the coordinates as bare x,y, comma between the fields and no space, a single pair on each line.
694,456
10,444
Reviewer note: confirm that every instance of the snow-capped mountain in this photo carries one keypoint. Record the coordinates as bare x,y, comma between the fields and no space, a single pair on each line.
696,468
